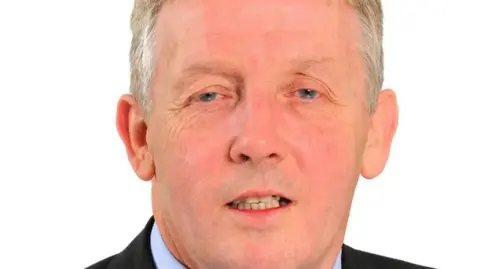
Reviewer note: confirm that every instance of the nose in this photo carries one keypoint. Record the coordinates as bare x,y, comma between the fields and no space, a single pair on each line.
257,137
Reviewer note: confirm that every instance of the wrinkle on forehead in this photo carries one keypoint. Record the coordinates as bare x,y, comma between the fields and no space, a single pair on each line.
219,29
215,16
207,18
283,15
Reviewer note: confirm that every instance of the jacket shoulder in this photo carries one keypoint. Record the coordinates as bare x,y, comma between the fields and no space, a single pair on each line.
137,255
103,264
354,257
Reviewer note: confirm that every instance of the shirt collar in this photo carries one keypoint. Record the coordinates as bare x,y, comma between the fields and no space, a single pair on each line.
163,258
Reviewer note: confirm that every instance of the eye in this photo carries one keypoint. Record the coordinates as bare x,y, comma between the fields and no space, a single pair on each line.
208,97
307,93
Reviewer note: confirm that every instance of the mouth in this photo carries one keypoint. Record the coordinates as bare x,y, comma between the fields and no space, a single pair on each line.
259,202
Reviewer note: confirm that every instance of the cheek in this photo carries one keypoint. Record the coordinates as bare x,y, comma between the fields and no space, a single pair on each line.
332,156
330,174
191,167
330,162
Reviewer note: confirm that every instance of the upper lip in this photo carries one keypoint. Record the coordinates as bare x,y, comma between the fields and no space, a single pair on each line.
259,193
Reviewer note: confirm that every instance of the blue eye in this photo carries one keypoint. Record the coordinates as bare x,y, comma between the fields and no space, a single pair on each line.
207,97
307,93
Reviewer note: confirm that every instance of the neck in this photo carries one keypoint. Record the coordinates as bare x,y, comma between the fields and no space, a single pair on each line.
327,260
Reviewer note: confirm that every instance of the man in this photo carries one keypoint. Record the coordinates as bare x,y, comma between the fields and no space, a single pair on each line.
254,120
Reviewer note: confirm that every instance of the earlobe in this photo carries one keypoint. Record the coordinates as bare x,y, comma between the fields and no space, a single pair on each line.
382,129
132,130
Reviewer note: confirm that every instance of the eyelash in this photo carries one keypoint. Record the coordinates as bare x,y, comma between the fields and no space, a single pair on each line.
198,97
217,95
310,90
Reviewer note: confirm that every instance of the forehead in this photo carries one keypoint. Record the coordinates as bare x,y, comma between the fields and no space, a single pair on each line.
253,15
255,32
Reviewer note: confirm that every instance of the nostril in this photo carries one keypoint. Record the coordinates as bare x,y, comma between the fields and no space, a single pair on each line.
244,157
273,155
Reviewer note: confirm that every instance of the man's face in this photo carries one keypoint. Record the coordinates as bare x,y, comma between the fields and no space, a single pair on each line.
258,100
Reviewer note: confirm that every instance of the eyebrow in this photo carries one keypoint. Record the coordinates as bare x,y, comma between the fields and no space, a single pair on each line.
209,68
234,75
303,66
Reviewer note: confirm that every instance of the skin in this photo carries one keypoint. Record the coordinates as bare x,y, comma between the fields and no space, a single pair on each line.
256,95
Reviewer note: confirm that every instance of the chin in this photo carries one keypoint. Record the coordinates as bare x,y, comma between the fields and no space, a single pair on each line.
263,254
264,260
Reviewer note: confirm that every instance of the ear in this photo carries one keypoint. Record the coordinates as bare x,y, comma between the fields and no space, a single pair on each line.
132,129
383,125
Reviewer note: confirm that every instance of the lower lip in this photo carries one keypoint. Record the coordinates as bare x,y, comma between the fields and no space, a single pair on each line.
261,217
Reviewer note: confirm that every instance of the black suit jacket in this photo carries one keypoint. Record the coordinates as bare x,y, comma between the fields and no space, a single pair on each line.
138,255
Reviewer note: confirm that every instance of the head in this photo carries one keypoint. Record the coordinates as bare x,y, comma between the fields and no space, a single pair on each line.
236,99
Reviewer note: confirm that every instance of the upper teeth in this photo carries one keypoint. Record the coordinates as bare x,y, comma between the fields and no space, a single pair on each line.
257,203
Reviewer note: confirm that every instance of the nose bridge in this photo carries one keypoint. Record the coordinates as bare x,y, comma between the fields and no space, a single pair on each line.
258,113
257,136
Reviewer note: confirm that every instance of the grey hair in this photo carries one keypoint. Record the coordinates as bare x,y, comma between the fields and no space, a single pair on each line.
142,56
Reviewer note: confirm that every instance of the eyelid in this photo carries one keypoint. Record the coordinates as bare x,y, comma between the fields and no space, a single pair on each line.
213,88
299,85
318,85
223,92
196,97
314,79
197,83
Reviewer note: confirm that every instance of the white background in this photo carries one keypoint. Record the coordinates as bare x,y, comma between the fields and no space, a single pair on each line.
68,196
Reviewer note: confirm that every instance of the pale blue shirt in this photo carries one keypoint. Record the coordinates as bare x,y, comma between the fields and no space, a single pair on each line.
164,259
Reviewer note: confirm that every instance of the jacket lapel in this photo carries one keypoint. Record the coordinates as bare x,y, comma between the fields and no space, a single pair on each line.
138,254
